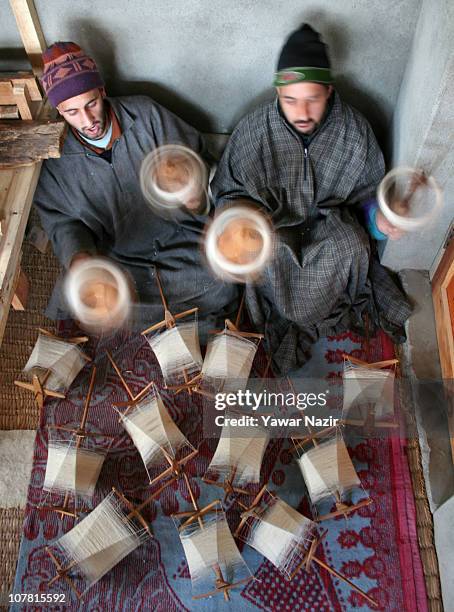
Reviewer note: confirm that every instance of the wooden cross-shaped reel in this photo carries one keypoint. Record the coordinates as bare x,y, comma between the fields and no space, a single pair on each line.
237,461
232,330
158,431
106,521
369,421
342,508
176,346
304,551
228,345
285,537
126,386
80,434
209,539
227,485
38,384
238,456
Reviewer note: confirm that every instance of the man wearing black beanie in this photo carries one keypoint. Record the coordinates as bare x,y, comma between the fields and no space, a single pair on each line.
303,80
313,164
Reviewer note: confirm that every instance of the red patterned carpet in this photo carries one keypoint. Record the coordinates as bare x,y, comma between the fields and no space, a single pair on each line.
376,548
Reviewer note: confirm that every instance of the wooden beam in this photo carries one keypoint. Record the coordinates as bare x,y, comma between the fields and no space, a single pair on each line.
26,78
440,282
23,101
21,291
443,278
17,186
26,142
18,93
9,111
6,93
17,202
30,31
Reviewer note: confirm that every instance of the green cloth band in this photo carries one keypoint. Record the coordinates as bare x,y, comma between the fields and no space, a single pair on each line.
297,75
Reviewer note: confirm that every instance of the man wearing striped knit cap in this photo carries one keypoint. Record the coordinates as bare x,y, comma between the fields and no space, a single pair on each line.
90,201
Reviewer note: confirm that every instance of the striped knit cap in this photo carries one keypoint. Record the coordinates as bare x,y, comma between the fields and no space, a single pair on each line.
68,72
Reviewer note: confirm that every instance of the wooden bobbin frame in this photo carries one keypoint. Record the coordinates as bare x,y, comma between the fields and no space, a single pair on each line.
62,572
221,584
132,397
369,423
175,470
38,385
80,434
342,509
234,328
227,484
309,556
169,322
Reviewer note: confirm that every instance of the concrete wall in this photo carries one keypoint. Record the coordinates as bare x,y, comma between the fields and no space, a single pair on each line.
423,127
211,61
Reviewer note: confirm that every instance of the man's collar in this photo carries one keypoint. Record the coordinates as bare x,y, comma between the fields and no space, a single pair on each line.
125,118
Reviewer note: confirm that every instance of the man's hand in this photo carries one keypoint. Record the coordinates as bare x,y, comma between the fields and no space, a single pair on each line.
176,175
382,223
240,242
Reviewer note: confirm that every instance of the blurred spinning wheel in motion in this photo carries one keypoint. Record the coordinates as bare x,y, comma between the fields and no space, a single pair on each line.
409,198
238,243
172,177
98,294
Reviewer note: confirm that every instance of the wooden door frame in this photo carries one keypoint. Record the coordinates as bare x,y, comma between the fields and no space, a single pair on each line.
443,276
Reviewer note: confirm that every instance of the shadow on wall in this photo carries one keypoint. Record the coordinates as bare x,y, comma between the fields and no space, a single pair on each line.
339,49
85,32
13,59
368,106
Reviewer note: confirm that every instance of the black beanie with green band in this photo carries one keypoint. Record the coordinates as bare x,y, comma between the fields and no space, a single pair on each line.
304,57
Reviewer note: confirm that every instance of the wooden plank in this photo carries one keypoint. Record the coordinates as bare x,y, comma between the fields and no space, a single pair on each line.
6,93
18,93
442,336
23,78
6,178
445,270
23,102
19,200
21,290
9,112
25,142
442,288
17,188
30,31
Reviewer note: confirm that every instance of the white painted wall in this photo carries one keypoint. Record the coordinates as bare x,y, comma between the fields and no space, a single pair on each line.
212,60
423,128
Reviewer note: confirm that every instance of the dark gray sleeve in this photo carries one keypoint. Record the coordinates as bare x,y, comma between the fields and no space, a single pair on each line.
230,182
372,172
68,234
